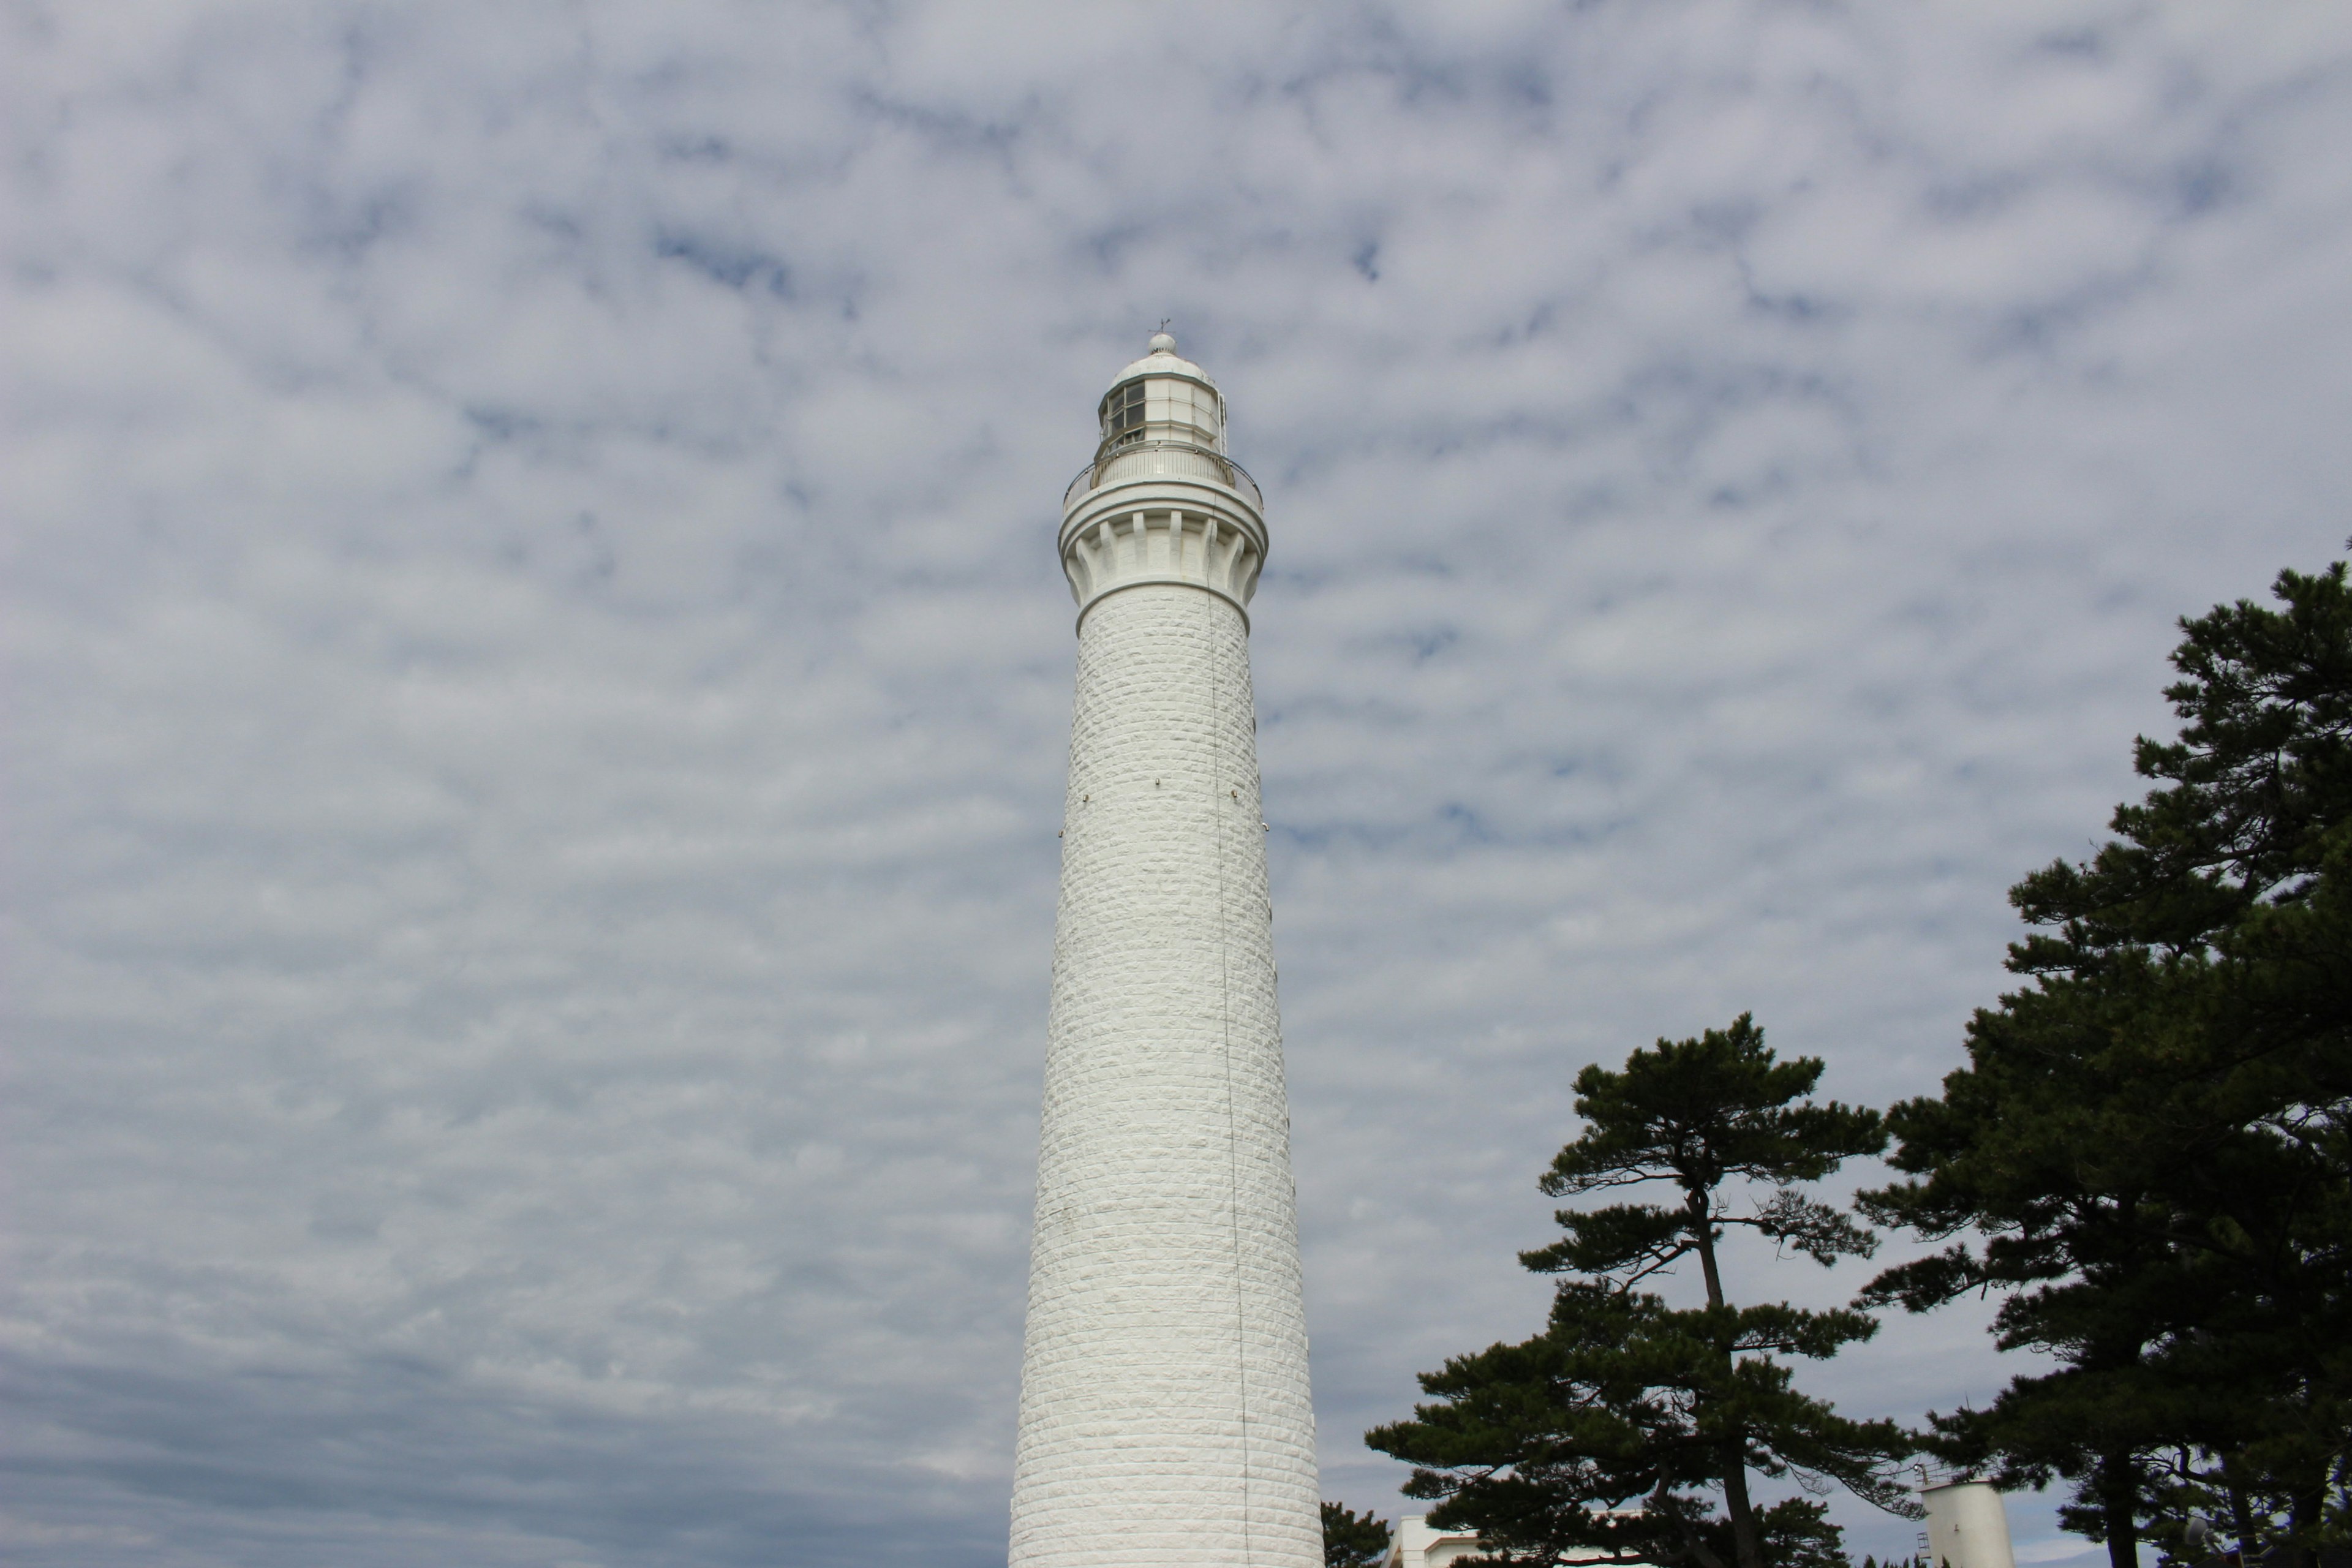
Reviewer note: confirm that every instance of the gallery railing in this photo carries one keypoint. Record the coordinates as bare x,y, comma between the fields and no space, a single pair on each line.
1164,459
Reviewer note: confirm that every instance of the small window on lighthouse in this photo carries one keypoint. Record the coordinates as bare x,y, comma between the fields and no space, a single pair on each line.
1122,413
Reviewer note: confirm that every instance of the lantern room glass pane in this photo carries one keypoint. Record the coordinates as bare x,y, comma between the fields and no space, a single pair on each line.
1123,409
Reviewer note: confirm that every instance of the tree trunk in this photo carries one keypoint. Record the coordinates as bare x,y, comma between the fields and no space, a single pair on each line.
1744,1538
2242,1519
2119,1500
2306,1505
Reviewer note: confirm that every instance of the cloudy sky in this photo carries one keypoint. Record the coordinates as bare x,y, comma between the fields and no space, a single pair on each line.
537,681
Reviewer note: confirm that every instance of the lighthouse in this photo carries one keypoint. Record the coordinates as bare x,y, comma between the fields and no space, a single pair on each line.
1165,1419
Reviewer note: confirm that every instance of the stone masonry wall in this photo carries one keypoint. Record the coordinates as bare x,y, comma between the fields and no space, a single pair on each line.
1165,1416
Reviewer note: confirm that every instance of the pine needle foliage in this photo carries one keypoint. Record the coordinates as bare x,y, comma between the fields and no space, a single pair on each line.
1352,1540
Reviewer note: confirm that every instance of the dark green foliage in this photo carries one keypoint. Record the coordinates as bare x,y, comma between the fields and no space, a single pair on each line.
1607,1431
1699,1113
1352,1540
2152,1142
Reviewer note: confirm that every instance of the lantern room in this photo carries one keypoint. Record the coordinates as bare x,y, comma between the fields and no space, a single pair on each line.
1162,399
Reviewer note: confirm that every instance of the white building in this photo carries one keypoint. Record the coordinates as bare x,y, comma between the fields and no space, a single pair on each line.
1967,1527
1165,1421
1414,1544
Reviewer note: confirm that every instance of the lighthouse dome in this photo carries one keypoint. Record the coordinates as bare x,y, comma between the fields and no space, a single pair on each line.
1161,358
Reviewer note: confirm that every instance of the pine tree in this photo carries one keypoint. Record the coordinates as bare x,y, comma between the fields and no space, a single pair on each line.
1605,1432
2152,1140
1352,1540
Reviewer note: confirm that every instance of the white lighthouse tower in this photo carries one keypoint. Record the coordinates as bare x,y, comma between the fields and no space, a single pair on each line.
1165,1421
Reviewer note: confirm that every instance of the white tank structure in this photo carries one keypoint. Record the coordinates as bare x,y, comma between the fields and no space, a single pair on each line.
1967,1526
1165,1419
